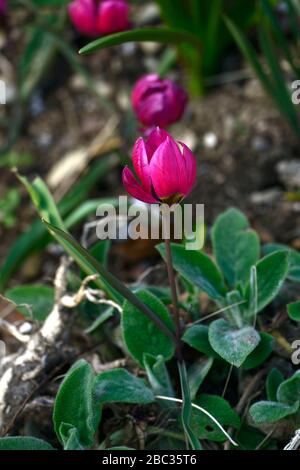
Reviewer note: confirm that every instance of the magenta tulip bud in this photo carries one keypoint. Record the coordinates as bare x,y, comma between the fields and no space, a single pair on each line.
99,17
158,102
166,169
83,14
3,7
113,16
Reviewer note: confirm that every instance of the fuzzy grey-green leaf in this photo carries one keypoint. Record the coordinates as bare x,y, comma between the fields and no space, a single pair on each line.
232,344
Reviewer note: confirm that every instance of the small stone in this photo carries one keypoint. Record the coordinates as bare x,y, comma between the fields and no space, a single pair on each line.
44,140
25,328
289,173
266,197
210,140
259,144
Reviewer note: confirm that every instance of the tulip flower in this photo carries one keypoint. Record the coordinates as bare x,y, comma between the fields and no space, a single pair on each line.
3,7
99,17
166,169
158,102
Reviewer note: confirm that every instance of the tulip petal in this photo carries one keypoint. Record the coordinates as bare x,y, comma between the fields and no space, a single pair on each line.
190,169
167,169
155,139
141,87
135,189
141,163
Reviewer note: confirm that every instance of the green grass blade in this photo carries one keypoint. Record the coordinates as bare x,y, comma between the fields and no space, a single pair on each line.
161,35
37,237
187,408
280,92
278,34
176,14
251,55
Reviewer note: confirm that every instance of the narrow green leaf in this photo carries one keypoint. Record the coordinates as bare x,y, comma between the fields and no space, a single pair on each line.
186,412
161,35
91,266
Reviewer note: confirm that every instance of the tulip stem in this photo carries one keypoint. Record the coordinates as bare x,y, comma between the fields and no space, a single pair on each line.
171,275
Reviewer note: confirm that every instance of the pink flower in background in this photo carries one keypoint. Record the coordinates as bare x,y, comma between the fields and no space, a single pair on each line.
99,17
113,16
158,102
3,7
166,169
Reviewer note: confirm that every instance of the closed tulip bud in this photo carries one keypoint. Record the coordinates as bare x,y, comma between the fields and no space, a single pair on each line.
166,169
99,17
158,102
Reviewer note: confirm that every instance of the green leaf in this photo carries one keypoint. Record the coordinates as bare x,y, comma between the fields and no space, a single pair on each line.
273,82
197,268
37,236
271,272
141,335
24,443
186,411
269,411
39,298
103,316
43,201
220,409
100,251
232,344
294,259
115,287
75,405
161,35
70,437
159,377
174,14
236,247
249,438
197,373
119,386
197,337
294,310
289,390
274,379
260,353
